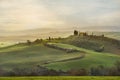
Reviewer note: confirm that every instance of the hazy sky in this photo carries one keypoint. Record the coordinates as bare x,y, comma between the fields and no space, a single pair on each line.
18,15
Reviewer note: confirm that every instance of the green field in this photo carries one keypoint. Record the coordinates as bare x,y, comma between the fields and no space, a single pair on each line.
28,56
61,78
91,59
23,55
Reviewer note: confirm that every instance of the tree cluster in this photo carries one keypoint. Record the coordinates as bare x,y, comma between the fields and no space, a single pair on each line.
42,71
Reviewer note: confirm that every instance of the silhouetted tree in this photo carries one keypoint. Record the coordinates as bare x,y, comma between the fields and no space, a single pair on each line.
75,32
29,42
49,38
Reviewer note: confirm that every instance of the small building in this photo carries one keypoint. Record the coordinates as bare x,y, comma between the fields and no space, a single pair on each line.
83,34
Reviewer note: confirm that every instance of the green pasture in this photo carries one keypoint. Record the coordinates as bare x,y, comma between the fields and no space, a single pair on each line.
62,78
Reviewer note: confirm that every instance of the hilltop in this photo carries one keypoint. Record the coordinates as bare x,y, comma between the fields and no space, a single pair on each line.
97,43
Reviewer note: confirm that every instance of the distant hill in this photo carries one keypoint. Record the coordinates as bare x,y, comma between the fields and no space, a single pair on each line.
18,36
115,35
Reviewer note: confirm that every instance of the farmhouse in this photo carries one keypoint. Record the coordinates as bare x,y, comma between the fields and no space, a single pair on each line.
83,34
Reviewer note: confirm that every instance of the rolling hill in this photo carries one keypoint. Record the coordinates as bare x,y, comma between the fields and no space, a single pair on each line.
24,55
90,42
91,59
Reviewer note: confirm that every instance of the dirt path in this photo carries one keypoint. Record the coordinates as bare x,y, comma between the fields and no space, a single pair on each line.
70,59
65,49
76,58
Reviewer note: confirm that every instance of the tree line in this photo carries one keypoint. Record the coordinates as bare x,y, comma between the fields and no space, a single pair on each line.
42,71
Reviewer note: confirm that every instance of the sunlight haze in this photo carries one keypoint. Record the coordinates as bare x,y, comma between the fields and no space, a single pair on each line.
30,14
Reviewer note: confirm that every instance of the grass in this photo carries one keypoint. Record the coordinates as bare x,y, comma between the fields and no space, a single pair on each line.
28,56
24,55
62,78
91,59
94,43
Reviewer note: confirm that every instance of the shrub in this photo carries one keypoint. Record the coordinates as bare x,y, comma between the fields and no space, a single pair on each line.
2,72
79,72
115,71
98,71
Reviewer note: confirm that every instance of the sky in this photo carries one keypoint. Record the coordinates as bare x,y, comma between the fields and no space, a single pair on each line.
18,15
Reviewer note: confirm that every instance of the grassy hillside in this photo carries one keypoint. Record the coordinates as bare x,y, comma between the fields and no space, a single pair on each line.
94,43
74,52
24,55
91,59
